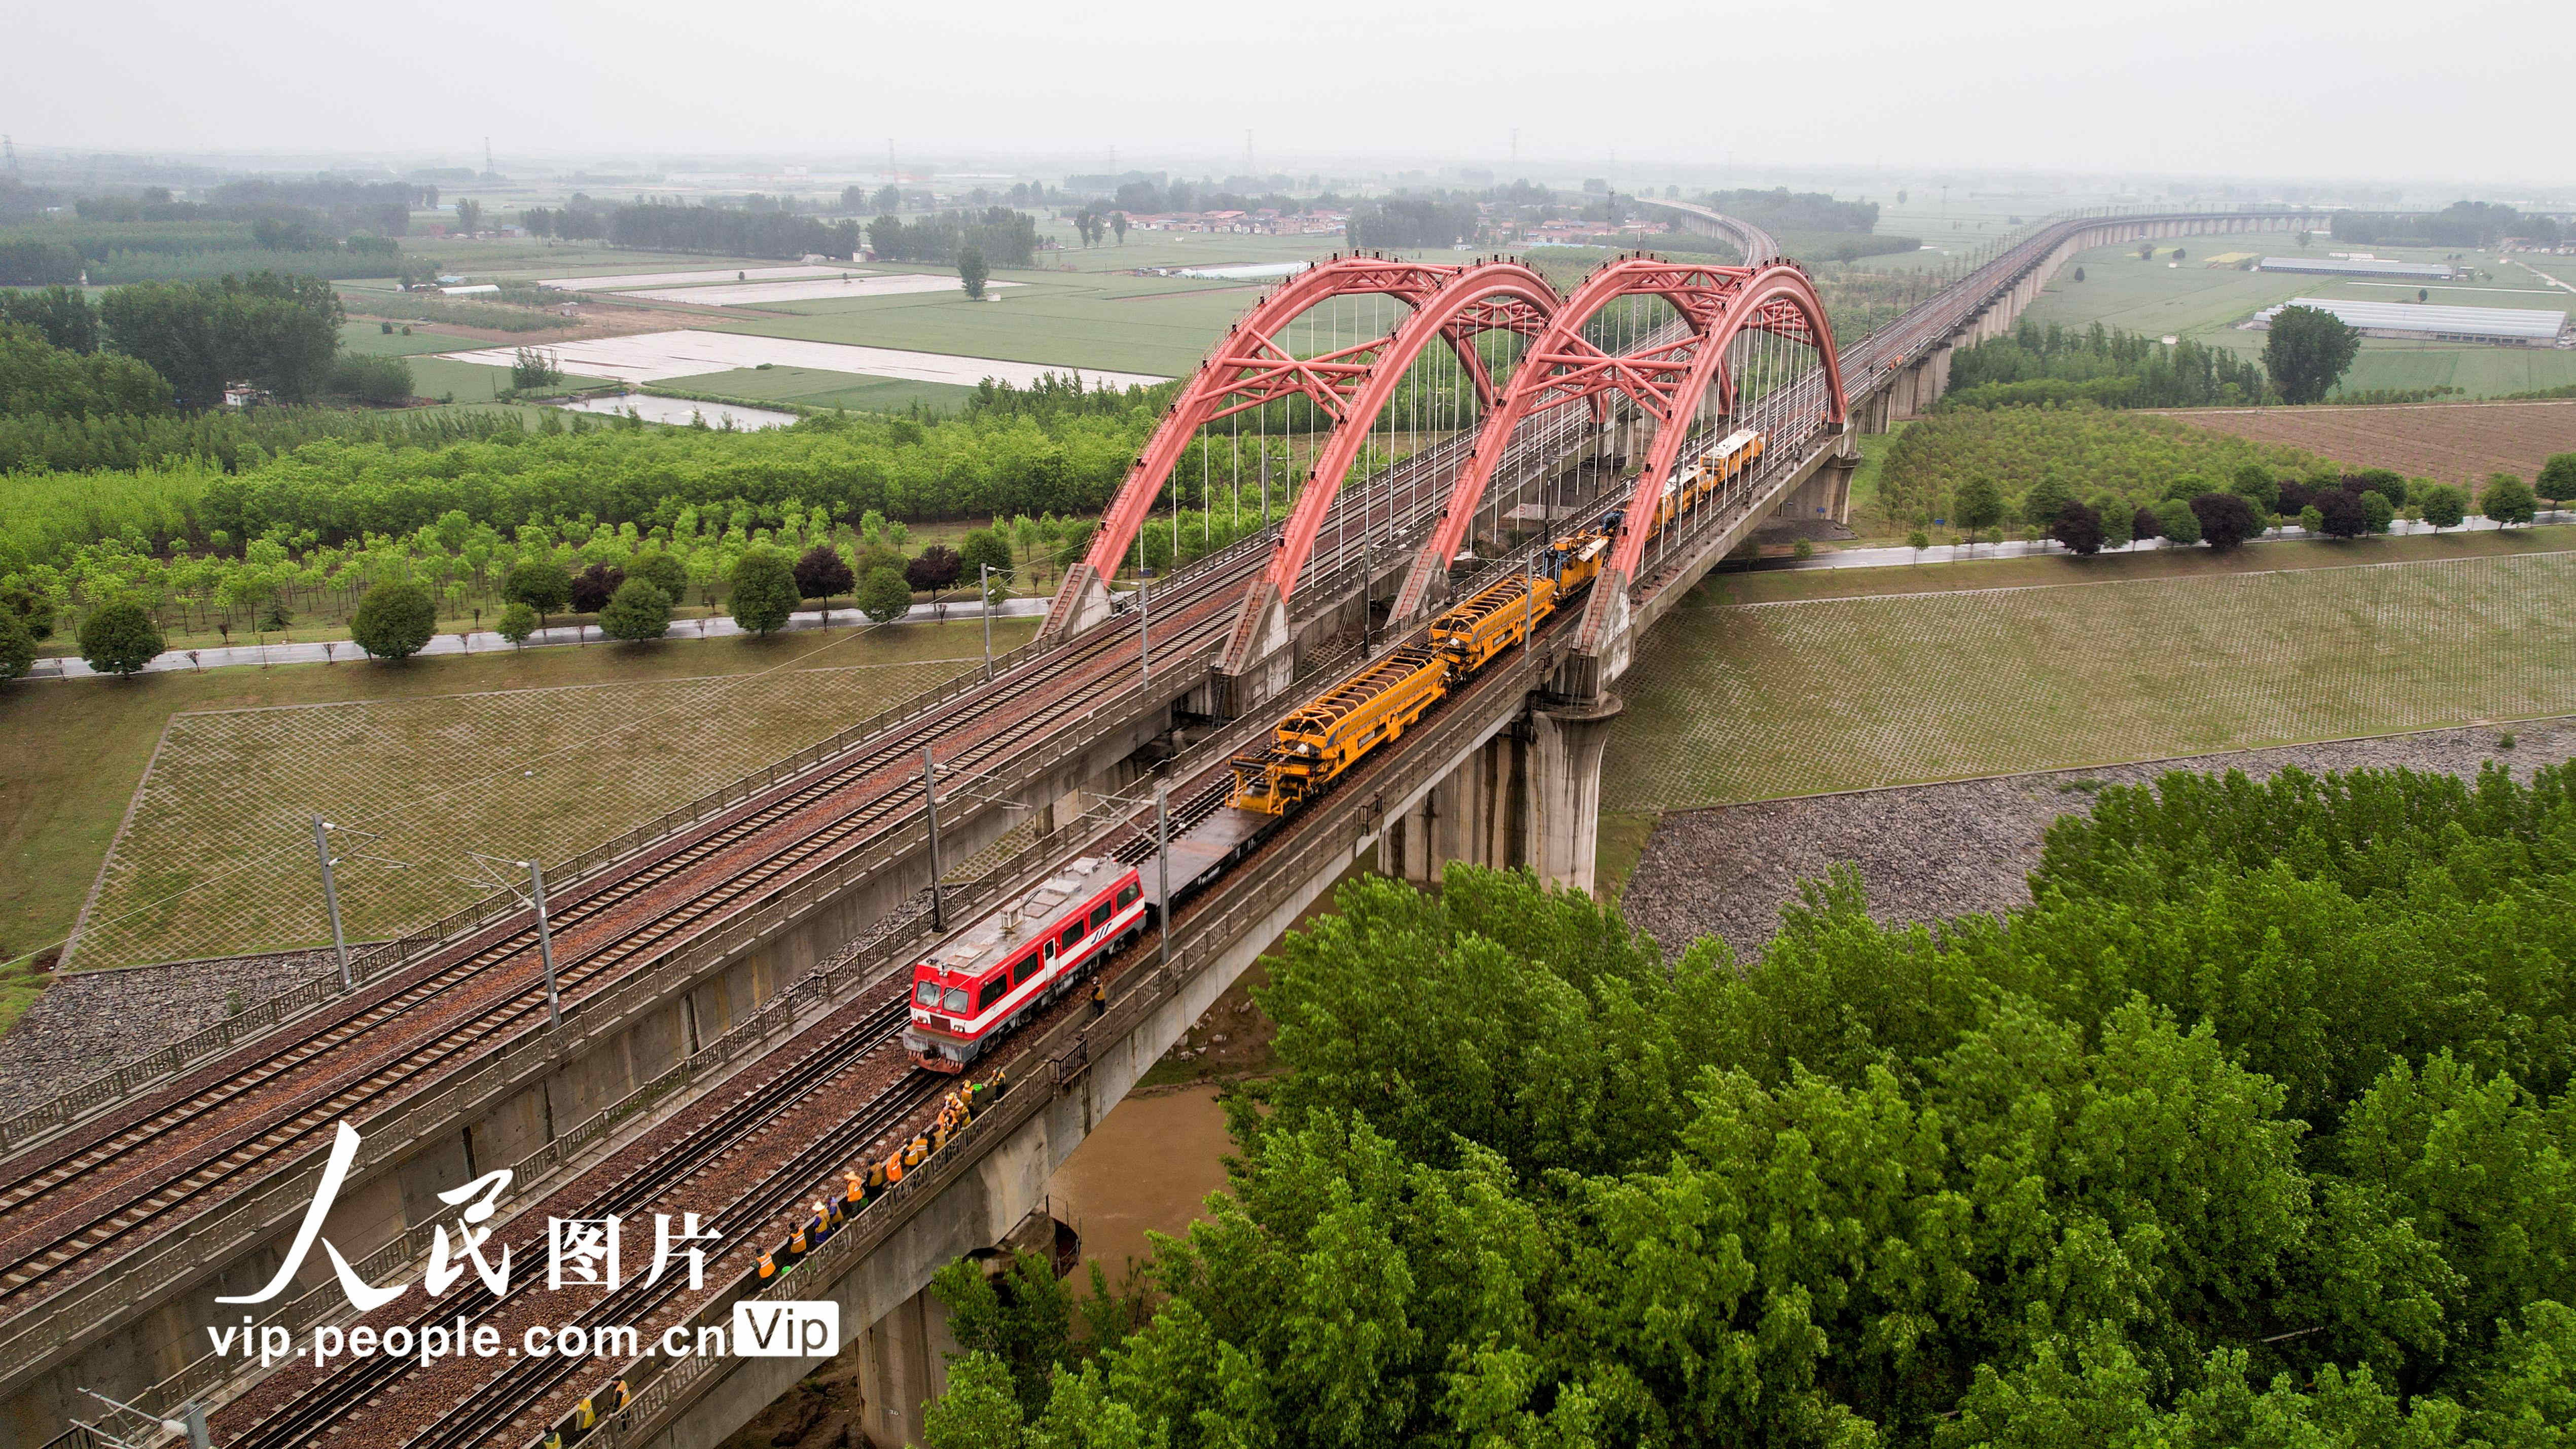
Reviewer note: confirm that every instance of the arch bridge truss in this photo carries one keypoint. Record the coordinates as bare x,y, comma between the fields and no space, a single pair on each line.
1670,356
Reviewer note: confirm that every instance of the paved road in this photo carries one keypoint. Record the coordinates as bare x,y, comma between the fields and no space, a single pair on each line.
485,641
1879,558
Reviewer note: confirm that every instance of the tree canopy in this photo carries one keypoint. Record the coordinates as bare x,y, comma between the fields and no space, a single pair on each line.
2250,1129
394,620
2307,351
764,590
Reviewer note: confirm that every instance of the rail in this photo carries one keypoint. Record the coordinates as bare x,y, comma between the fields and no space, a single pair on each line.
279,1196
1321,840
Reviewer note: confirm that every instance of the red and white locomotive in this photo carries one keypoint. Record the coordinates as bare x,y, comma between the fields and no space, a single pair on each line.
1012,963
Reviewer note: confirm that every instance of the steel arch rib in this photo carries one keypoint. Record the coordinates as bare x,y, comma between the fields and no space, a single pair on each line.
1249,367
1666,379
1774,299
1463,310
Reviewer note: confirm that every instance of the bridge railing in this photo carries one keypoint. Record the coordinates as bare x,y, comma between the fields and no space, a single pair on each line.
372,963
275,1201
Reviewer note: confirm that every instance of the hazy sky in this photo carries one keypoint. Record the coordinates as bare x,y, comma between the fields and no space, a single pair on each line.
2473,91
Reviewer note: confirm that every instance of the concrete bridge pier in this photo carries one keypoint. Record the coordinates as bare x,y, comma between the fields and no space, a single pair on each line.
1566,745
1529,797
903,1365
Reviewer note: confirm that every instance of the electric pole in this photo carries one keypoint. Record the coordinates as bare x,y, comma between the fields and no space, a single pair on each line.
331,898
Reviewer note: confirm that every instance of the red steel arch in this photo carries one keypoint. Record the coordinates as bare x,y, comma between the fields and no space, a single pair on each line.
1251,366
1665,376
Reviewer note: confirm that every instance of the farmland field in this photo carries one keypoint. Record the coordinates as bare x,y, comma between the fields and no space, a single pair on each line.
2445,441
816,387
222,812
1748,702
694,352
2192,300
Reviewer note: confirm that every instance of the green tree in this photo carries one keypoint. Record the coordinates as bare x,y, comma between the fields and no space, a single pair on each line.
985,547
972,272
385,381
1918,540
38,378
469,216
665,571
63,315
2444,506
532,368
1977,505
2255,484
518,622
2557,480
2177,523
980,1410
17,646
540,583
764,590
2307,352
638,611
279,333
2508,500
119,637
2377,513
1021,1318
395,620
884,596
1118,224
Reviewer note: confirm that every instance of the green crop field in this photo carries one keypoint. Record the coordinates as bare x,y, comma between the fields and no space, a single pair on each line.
815,387
470,382
1081,308
1745,702
369,339
510,765
2193,300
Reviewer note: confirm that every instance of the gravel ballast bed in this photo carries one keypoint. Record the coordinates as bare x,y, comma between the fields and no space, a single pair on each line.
1930,851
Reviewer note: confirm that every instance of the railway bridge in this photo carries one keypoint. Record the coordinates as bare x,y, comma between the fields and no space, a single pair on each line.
727,979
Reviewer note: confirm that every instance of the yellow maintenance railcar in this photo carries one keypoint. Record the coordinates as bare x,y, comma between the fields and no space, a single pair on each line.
1320,741
1502,614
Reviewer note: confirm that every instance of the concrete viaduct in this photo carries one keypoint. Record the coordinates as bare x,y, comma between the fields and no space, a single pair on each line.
1507,773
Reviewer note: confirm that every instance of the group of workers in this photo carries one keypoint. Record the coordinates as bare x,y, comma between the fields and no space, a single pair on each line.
955,1111
586,1415
858,1185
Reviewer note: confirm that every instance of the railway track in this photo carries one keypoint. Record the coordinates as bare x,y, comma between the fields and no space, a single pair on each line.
305,1418
37,1263
36,1260
980,726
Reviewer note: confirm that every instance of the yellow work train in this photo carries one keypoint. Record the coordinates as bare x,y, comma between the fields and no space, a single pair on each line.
1313,746
1502,614
1734,455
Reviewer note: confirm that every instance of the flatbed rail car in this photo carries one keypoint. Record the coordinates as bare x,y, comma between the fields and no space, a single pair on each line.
1016,961
1502,613
1316,744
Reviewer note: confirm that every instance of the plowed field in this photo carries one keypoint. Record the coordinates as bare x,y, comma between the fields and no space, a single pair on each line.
2448,442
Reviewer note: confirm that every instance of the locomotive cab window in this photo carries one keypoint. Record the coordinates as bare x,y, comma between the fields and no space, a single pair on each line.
926,993
1128,893
954,1002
